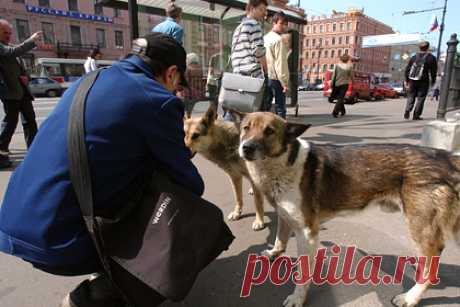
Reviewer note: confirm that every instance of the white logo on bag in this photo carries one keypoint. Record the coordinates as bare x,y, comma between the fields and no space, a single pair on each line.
164,204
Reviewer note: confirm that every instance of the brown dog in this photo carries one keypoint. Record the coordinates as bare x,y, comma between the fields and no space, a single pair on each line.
218,142
310,183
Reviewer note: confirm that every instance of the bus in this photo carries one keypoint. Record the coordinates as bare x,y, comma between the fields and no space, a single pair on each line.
64,71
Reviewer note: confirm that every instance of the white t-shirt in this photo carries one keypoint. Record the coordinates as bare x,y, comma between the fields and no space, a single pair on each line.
90,65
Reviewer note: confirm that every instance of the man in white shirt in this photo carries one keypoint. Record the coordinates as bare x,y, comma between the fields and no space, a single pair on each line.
90,64
277,64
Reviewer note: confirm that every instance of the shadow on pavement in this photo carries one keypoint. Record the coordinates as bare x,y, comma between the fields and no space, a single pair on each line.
349,139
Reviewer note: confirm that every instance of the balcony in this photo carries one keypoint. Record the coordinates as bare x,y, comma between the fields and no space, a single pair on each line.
64,49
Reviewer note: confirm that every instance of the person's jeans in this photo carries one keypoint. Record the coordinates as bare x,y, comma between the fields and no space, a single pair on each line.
275,89
417,91
12,109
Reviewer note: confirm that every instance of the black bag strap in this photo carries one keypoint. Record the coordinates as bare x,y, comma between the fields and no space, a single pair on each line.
80,175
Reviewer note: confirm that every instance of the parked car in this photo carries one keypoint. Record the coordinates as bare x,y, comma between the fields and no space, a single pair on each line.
45,87
387,90
358,89
399,88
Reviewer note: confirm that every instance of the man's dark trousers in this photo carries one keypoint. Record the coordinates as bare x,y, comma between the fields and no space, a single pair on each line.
417,91
276,90
12,109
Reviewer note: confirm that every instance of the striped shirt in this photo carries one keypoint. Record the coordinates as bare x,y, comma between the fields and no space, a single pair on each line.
247,48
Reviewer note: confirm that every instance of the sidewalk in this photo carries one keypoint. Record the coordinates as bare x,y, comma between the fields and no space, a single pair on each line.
219,285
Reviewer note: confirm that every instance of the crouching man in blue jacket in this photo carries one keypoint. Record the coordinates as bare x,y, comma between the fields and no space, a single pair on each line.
134,125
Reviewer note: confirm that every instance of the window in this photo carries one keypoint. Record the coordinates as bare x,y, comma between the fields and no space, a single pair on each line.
340,40
334,27
307,43
346,51
314,29
22,27
75,35
116,13
41,81
321,29
331,67
320,42
324,67
319,54
44,3
308,29
48,33
313,42
332,53
349,26
339,52
326,53
342,27
333,41
347,40
100,38
326,42
313,54
119,39
328,27
98,10
73,5
306,55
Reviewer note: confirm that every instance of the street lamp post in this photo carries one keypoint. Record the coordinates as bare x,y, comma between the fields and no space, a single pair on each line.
441,31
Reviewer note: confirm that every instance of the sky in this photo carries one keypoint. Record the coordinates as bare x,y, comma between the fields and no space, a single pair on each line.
390,12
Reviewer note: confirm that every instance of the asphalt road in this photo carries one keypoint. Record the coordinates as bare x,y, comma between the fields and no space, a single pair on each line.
219,285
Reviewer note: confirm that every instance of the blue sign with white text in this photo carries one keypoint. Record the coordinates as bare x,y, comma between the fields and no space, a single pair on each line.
60,13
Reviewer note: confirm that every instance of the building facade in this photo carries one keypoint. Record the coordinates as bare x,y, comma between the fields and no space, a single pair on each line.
71,28
326,38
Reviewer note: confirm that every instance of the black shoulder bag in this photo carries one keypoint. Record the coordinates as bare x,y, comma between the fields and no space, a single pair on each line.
163,238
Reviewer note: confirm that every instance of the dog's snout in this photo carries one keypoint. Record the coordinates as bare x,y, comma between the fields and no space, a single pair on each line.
249,149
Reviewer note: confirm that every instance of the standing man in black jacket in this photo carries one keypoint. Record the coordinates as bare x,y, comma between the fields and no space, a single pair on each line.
420,76
17,97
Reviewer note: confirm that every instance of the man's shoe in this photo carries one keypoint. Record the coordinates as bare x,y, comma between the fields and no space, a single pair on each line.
406,115
93,293
417,118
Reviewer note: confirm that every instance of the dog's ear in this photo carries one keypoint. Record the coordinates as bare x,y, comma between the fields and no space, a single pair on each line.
186,116
238,116
294,130
210,116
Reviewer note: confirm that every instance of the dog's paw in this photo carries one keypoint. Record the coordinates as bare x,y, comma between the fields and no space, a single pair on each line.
258,225
271,254
251,191
402,301
234,215
294,300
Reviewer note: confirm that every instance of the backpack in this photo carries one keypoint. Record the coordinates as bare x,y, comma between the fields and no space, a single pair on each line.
417,68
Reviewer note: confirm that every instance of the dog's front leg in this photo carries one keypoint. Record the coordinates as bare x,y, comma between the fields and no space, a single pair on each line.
307,242
237,184
258,223
283,232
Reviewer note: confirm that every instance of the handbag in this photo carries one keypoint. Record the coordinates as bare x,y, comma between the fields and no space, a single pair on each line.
239,92
162,238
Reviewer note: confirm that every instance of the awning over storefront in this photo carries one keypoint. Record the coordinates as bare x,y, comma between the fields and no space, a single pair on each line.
212,9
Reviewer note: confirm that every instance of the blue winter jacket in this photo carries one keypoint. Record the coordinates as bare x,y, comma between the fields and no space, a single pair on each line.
133,124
